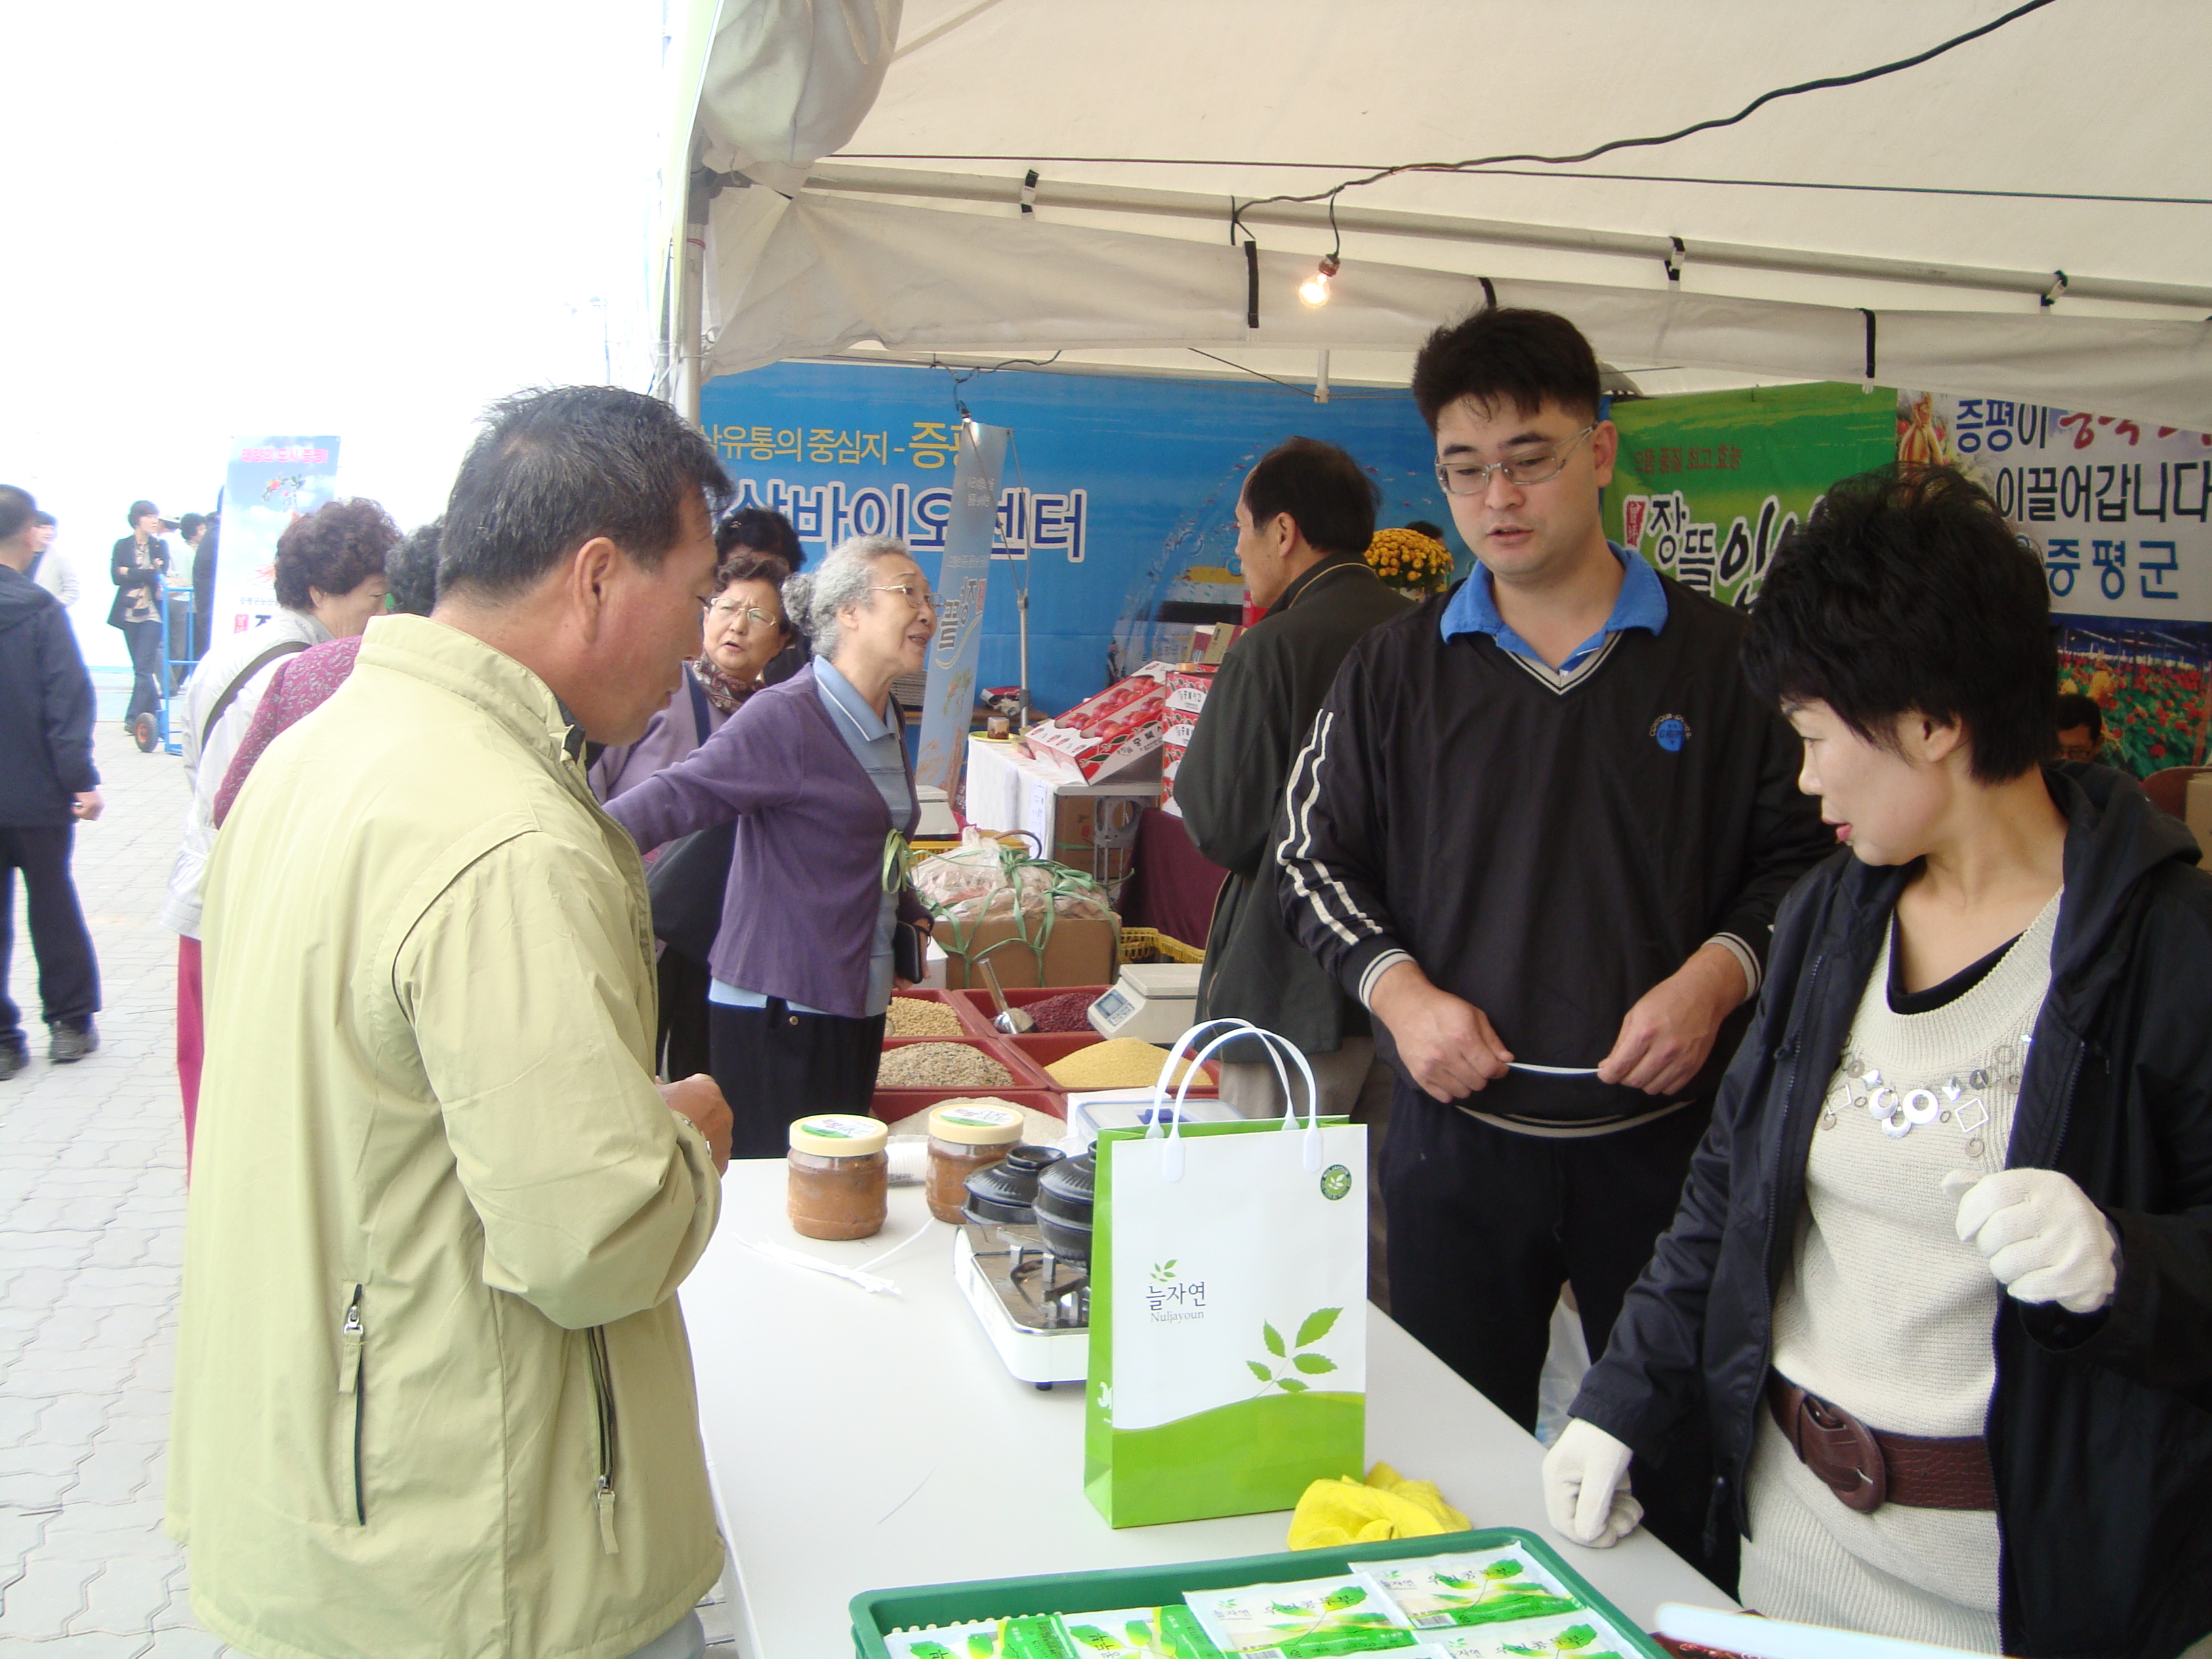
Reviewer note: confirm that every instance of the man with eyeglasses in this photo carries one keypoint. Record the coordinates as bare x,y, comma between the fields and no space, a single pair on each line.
1539,830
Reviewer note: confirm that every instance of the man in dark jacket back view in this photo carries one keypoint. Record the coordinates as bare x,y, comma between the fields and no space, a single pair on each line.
1304,520
47,782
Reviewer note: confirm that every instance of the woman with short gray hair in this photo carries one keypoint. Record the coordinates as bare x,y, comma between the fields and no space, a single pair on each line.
814,772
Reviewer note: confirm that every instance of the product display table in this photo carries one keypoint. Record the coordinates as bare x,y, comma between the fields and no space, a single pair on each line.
864,1441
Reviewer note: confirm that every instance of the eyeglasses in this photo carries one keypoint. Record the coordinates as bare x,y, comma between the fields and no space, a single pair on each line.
1472,477
923,606
745,612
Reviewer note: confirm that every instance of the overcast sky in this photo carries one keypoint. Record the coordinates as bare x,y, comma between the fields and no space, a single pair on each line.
367,220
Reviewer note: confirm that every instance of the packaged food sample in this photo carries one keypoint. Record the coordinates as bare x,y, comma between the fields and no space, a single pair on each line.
1313,1619
1034,1636
1570,1636
1480,1587
1137,1634
965,1136
837,1175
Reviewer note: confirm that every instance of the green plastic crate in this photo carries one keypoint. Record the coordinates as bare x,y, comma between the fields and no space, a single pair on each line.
875,1612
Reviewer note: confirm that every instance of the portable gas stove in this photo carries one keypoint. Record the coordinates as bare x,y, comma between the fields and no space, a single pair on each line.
1035,1306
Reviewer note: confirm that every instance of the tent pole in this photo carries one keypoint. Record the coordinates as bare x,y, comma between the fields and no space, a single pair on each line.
1379,222
690,284
1320,379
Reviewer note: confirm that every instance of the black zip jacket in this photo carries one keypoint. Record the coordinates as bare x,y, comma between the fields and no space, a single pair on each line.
131,580
45,709
1229,790
2100,1428
1548,855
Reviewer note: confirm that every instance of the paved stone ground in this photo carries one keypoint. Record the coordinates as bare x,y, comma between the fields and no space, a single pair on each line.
92,1211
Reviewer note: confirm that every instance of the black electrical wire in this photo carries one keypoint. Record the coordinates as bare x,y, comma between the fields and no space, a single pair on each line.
1824,84
1306,391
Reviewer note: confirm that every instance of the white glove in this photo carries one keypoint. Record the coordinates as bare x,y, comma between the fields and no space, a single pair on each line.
1586,1486
2044,1240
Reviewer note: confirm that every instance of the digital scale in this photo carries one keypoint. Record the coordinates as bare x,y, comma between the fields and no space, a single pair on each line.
1152,1001
1033,1306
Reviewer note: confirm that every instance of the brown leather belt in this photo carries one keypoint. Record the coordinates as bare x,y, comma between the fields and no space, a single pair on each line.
1867,1468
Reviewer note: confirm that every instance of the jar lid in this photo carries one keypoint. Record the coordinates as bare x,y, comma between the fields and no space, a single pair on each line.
983,1122
836,1135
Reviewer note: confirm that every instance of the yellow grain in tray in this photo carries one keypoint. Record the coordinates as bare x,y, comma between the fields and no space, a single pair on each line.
920,1016
1116,1063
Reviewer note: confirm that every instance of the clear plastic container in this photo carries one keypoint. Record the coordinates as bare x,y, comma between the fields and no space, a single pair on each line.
965,1136
838,1177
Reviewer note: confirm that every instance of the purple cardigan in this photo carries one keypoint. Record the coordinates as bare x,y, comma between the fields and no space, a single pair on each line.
798,914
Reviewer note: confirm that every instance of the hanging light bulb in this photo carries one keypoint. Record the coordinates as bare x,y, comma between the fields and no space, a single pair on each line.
1315,290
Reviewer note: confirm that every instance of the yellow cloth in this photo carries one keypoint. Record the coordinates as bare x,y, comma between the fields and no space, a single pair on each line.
1384,1505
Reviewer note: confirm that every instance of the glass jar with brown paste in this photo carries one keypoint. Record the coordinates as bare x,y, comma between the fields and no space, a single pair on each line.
838,1172
965,1136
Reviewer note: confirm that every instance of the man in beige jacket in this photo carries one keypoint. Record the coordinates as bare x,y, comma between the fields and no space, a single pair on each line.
434,1395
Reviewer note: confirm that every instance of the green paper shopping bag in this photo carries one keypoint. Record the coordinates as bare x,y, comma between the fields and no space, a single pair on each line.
1228,1307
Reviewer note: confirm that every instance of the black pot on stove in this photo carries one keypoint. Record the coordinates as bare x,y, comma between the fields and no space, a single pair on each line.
1005,1193
1065,1196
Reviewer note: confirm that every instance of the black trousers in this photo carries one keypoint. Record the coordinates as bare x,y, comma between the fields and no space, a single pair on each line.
1485,1226
681,1044
776,1067
145,638
69,976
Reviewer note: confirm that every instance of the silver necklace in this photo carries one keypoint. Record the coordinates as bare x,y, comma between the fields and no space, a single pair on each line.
1900,1110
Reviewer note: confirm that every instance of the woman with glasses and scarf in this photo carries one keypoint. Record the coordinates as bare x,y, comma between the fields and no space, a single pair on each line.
814,775
745,629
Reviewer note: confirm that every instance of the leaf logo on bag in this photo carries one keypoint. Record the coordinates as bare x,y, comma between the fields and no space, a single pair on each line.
1173,1300
1318,1325
1335,1181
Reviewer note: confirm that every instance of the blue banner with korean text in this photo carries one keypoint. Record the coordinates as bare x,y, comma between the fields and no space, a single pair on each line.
1114,507
963,581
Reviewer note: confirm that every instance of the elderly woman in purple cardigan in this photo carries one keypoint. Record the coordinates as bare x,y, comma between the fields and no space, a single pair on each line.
814,772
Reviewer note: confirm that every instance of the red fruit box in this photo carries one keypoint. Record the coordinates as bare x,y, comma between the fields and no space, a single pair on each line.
1107,734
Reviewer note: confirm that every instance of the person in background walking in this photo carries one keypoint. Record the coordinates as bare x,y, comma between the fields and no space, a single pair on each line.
48,785
54,570
329,582
139,562
185,605
203,564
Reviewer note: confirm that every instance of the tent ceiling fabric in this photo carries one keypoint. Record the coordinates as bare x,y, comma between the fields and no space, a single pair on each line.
1252,97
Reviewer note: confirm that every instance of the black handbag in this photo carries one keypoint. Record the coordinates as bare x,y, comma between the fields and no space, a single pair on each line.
686,883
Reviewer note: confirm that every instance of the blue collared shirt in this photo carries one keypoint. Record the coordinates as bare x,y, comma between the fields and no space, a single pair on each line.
1641,603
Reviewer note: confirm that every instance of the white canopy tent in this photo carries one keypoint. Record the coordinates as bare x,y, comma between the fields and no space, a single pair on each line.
2026,216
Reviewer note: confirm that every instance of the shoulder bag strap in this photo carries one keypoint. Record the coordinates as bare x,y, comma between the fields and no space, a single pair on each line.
230,692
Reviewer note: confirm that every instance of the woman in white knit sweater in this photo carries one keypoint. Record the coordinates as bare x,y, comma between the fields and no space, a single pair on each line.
1941,1278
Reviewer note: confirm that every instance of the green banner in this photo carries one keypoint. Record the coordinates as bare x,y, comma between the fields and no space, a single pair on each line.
1706,484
